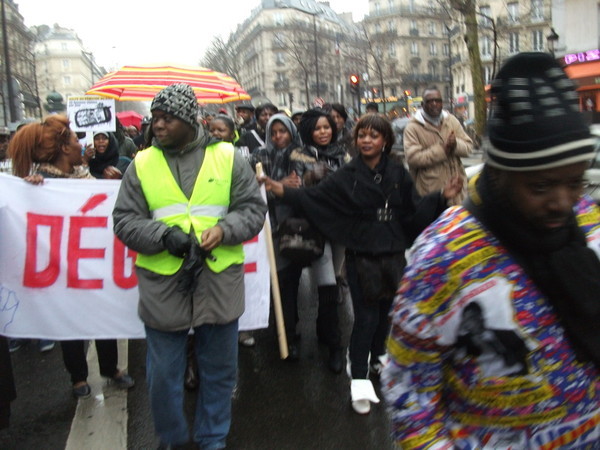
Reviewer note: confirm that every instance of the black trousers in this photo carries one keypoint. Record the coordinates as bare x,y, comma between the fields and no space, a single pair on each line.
76,364
328,328
289,283
371,325
328,321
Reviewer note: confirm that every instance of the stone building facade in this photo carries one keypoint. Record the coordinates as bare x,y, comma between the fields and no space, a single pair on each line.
410,50
19,57
400,48
295,53
63,65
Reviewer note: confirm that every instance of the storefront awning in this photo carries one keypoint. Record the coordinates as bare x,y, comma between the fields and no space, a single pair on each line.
586,76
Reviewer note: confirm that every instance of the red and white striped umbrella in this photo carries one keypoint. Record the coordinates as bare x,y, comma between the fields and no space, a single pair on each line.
141,83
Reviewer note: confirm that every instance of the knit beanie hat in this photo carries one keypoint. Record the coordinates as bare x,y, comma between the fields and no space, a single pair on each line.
178,100
535,121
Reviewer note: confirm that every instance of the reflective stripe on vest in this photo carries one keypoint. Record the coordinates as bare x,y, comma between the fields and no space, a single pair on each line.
208,203
197,210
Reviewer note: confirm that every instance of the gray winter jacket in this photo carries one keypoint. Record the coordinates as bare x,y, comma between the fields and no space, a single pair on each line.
219,297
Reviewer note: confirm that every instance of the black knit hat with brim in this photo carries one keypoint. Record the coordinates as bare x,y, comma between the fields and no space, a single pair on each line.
535,122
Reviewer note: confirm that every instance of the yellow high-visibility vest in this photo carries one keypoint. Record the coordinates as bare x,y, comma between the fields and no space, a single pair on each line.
208,203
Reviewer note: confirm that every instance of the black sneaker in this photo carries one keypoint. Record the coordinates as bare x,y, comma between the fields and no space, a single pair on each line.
336,360
123,381
83,391
16,344
45,345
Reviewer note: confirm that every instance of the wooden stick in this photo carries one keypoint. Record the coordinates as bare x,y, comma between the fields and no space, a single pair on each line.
282,338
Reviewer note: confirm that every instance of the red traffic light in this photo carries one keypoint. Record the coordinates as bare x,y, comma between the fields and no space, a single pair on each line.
354,79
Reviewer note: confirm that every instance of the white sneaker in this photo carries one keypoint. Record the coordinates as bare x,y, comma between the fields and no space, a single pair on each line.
362,394
361,406
376,366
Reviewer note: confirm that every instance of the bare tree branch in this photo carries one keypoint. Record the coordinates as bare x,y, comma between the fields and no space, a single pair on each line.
220,57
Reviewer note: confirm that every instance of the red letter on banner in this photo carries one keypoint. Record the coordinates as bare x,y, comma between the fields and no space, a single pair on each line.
251,267
120,255
31,277
75,252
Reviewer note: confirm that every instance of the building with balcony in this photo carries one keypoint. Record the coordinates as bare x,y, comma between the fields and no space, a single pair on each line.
409,49
18,60
63,65
294,53
505,27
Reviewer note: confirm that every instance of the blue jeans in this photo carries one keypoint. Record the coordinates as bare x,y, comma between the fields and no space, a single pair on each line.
217,354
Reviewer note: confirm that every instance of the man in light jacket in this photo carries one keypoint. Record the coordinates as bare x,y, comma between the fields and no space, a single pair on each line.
185,206
434,142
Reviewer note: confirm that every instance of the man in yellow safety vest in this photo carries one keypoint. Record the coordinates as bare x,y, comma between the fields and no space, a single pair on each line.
185,206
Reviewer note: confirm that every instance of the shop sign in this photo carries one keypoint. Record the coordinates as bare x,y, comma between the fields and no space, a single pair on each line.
590,55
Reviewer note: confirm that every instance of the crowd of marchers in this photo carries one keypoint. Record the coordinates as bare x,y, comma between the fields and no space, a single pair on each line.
474,301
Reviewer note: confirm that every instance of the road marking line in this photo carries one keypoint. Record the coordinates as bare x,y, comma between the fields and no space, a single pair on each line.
100,421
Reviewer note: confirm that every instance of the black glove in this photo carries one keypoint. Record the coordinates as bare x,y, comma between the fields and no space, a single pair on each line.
177,242
192,267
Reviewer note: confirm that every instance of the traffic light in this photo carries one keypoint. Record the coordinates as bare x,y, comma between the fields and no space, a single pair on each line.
354,83
407,93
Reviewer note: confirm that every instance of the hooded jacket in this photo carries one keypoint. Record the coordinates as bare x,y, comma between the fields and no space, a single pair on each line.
219,297
428,163
276,165
110,157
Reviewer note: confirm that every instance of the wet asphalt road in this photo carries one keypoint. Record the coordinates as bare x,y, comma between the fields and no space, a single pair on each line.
277,404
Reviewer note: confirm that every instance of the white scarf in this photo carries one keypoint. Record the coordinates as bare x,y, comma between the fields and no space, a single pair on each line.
435,121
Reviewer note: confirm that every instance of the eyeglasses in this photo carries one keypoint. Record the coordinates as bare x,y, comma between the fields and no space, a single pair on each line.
436,100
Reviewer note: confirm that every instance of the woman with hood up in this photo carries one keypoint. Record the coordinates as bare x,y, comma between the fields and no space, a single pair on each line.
105,162
281,140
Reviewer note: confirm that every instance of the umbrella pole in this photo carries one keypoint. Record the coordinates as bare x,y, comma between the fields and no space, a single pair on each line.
281,337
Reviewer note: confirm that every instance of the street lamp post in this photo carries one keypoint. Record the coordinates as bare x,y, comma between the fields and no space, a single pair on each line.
450,76
552,38
7,68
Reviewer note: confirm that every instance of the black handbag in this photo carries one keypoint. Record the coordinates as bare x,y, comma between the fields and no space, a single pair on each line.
299,241
379,275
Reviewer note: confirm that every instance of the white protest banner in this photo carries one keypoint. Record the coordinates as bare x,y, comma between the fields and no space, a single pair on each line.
64,274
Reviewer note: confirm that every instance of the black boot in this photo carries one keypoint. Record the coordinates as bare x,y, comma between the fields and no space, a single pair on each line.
293,352
336,359
328,329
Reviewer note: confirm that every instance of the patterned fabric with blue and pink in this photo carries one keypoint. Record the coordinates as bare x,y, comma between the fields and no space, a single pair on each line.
479,359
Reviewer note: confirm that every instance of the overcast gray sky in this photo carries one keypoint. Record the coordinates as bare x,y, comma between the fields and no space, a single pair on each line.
133,32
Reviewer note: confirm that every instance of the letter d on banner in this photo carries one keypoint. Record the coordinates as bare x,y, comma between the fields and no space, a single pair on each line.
46,277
